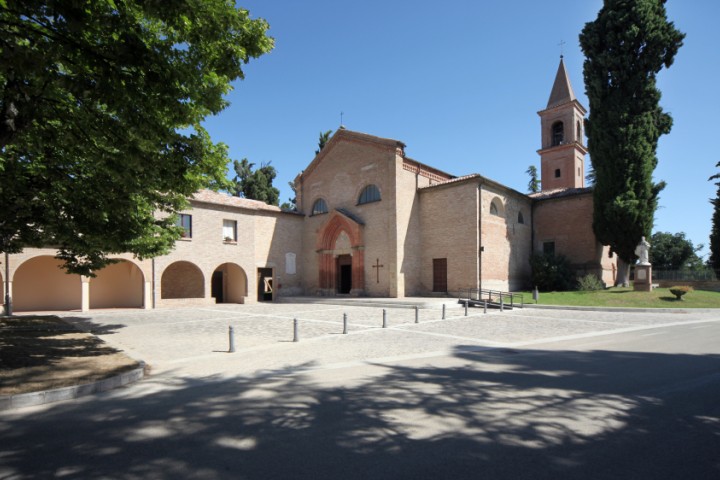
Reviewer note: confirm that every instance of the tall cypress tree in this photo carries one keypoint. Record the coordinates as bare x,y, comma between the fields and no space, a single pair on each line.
714,261
625,48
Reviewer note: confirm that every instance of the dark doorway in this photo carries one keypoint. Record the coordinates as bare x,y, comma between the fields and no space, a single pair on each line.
439,274
344,269
265,284
216,286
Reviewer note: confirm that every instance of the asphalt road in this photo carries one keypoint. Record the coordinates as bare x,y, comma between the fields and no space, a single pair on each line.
640,404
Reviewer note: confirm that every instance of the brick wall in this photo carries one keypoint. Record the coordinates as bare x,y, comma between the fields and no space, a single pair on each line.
449,226
346,167
567,221
505,240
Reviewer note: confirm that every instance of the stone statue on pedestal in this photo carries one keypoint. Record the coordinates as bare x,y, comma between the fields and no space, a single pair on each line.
643,252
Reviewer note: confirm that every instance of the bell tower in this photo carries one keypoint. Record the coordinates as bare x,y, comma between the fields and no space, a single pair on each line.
562,156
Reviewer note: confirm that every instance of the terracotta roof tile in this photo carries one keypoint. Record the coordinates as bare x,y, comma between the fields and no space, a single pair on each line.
218,198
559,192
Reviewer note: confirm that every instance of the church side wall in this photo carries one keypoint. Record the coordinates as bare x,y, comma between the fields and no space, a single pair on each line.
567,222
339,179
506,241
409,230
449,226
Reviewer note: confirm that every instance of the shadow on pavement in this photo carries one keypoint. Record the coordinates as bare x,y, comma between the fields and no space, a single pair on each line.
494,414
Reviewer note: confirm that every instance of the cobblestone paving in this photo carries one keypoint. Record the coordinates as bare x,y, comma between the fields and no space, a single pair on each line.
195,341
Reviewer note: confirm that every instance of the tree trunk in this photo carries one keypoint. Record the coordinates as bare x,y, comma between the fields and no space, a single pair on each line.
623,273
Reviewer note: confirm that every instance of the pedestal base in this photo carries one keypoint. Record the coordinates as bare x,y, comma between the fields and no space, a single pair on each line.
643,278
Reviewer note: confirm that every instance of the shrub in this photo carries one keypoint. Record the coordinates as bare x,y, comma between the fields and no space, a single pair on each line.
589,283
551,272
680,290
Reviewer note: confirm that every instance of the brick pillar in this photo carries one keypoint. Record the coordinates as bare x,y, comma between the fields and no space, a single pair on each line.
358,272
327,271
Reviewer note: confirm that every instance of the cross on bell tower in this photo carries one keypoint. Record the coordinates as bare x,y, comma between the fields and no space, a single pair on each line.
562,156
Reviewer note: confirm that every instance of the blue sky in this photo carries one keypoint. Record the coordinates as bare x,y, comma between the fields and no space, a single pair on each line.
460,82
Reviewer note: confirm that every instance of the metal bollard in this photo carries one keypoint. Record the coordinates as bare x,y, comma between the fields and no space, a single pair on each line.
443,314
466,308
384,318
485,307
536,294
344,323
296,335
231,338
502,303
417,314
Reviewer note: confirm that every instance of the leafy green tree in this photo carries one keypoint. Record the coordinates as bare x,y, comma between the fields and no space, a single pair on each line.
291,204
625,48
714,260
552,272
101,106
670,251
534,183
255,184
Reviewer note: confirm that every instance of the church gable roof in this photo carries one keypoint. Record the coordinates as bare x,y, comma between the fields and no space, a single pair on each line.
562,91
344,135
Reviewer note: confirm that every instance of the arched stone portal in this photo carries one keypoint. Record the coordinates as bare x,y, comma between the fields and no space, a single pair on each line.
229,284
182,280
341,237
40,284
119,285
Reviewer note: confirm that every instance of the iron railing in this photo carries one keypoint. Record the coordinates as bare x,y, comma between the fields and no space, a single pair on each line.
685,275
495,297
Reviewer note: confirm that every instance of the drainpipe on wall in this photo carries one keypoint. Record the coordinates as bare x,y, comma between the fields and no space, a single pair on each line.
481,248
153,283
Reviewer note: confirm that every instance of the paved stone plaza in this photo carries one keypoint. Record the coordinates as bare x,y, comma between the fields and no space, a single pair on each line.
192,342
524,394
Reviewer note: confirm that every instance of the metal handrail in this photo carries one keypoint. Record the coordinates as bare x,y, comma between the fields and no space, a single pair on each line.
495,296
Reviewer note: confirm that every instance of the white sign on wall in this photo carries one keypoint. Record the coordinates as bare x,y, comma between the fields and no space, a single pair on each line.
290,263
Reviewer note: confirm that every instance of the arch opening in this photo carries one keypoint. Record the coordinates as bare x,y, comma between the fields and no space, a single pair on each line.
229,284
182,279
119,285
40,284
558,133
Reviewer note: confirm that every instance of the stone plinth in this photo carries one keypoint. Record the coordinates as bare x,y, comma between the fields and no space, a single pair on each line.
643,278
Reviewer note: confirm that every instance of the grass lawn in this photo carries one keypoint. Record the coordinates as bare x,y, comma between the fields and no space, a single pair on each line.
626,297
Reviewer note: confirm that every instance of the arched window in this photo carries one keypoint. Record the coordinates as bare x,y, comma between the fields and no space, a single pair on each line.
369,194
521,219
319,207
558,133
579,136
496,208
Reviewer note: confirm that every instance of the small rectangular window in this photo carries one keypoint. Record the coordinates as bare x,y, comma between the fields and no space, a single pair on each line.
549,248
185,221
230,230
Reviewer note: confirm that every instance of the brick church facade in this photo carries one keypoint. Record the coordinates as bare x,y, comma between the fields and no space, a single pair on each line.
370,222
